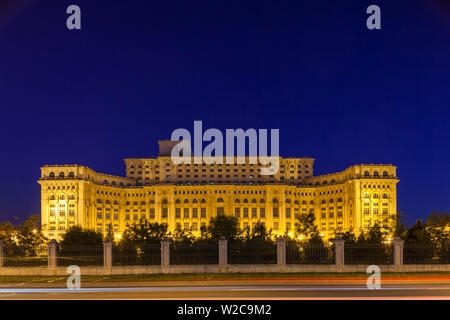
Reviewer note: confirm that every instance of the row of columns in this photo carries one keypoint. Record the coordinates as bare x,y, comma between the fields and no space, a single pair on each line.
223,253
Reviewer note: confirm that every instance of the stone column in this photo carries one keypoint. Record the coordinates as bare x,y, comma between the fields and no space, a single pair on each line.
281,253
223,252
52,253
339,253
398,252
165,255
107,254
2,248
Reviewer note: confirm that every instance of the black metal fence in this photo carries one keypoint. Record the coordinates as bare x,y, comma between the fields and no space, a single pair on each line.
197,253
125,255
309,253
15,256
425,254
252,253
89,255
368,254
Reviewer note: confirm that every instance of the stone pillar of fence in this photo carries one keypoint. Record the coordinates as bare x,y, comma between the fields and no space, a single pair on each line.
52,247
165,255
108,254
281,253
2,246
398,252
223,252
339,245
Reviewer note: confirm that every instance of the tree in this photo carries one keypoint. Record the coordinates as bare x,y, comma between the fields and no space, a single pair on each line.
224,226
259,233
145,233
77,236
181,236
308,229
437,219
375,235
400,225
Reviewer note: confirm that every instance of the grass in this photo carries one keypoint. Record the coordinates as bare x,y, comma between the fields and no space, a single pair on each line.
212,276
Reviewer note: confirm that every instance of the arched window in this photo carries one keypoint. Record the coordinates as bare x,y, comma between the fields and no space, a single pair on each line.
105,181
275,200
375,174
296,202
325,182
366,196
164,201
52,197
237,200
127,203
262,201
203,201
339,200
71,175
51,175
288,201
322,202
375,196
186,201
220,200
245,201
99,201
366,173
143,203
311,202
385,196
253,200
113,183
304,202
194,201
116,203
61,174
107,202
177,201
333,181
135,203
152,201
385,173
331,201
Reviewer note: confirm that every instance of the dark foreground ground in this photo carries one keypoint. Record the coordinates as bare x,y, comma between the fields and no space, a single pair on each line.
394,286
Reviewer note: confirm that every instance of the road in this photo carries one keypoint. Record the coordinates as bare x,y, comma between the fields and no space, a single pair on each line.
397,291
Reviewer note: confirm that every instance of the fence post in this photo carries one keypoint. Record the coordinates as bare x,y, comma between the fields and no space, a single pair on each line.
165,255
107,254
398,253
2,246
281,253
52,247
223,252
339,245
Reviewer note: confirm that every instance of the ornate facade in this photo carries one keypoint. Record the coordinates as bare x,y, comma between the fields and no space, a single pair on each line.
190,194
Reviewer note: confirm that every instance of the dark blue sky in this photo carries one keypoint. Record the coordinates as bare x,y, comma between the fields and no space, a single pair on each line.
138,69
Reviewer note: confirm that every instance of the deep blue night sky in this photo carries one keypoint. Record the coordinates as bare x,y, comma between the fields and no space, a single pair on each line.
139,69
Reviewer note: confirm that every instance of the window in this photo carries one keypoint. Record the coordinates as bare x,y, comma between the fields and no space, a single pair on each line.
288,213
237,212
164,212
203,212
194,213
220,211
186,212
366,174
254,214
262,213
245,213
177,213
275,212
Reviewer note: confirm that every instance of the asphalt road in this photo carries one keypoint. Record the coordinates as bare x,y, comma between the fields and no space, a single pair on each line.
433,291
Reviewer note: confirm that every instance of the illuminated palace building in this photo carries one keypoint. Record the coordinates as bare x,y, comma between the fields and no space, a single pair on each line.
157,190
